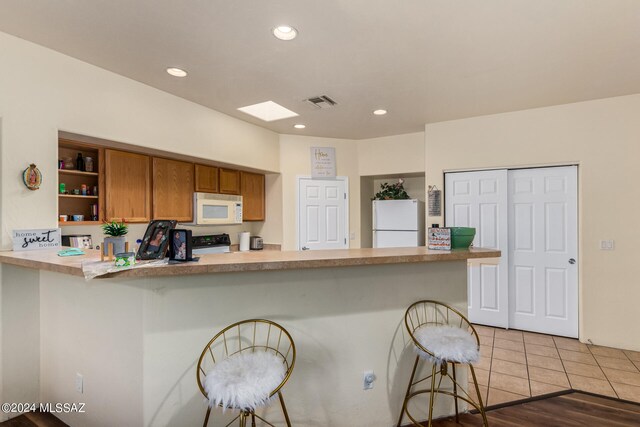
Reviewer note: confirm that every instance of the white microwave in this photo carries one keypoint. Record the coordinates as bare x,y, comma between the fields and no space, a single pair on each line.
216,209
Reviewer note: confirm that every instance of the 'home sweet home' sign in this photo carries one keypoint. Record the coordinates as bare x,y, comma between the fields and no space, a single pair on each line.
29,240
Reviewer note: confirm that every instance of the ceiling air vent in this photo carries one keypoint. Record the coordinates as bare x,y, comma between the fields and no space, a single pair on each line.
322,101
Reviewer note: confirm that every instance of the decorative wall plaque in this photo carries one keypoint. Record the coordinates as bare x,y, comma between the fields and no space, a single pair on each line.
32,177
29,240
323,162
435,201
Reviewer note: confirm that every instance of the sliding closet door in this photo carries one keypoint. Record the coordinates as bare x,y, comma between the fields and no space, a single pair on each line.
479,200
543,242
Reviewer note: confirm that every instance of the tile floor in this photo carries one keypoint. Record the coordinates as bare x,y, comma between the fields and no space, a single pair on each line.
516,365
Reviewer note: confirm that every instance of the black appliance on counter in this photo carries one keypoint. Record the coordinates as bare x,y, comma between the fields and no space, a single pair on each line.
211,244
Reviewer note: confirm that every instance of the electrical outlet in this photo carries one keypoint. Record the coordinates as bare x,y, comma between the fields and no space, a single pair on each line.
607,245
368,377
352,235
79,383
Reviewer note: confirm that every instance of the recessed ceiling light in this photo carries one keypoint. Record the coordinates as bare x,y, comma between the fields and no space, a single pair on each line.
285,32
177,72
268,111
299,126
380,112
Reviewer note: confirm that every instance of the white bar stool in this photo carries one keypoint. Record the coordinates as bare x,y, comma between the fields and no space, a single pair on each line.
441,336
244,365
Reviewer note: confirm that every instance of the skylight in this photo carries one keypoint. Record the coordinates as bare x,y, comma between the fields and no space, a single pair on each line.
268,111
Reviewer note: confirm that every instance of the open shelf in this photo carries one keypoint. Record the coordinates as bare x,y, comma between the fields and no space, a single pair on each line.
76,172
77,196
69,223
73,179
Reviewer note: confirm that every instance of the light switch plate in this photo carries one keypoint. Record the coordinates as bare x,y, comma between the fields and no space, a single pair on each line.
79,383
607,245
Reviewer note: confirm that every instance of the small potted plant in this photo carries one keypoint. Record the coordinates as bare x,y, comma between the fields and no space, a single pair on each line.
115,232
392,191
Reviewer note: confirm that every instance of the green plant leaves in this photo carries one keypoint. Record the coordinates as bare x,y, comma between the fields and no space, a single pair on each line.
391,192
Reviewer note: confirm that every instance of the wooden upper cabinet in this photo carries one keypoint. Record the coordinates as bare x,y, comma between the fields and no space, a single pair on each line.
172,189
229,182
206,179
127,186
252,191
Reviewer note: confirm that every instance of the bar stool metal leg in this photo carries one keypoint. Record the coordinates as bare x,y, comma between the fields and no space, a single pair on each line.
433,391
480,404
406,396
253,419
206,417
455,389
284,409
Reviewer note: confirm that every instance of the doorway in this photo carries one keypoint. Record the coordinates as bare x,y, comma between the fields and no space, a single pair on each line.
531,215
323,213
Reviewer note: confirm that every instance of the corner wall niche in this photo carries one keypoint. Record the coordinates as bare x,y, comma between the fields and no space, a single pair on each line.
414,184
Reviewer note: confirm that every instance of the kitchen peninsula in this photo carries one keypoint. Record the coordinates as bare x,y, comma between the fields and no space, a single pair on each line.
344,309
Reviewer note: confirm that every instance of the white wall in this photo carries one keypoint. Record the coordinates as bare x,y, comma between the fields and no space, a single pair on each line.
391,155
20,340
602,137
44,91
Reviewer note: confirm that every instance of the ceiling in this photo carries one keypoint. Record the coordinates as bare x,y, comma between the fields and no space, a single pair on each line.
423,60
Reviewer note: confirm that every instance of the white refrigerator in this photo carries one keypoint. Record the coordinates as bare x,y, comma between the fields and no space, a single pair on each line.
398,223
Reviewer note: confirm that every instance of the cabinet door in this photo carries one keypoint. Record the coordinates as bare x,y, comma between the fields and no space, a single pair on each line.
252,191
229,181
127,186
206,179
172,189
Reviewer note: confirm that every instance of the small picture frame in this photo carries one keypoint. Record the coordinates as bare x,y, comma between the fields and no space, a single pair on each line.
439,239
180,245
156,239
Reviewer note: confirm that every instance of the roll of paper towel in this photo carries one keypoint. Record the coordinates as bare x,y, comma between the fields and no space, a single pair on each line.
243,240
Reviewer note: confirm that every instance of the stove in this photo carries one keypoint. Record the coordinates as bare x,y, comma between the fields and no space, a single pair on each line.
211,244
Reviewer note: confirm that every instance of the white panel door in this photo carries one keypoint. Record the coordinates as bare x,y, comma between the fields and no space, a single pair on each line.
479,200
322,214
543,242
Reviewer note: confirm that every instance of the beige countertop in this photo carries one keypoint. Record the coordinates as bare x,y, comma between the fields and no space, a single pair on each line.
249,261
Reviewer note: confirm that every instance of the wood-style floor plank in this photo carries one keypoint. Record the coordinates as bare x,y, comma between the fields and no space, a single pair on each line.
34,419
569,410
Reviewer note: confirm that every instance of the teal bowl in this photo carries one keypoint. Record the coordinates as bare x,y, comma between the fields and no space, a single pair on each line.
461,237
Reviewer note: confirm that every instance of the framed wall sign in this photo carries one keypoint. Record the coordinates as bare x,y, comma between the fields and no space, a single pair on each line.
435,201
30,240
323,162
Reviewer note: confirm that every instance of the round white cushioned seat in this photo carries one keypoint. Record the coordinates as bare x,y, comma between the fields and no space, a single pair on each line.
244,380
447,343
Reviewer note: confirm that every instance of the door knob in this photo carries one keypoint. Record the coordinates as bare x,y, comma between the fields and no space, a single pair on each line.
572,261
304,248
